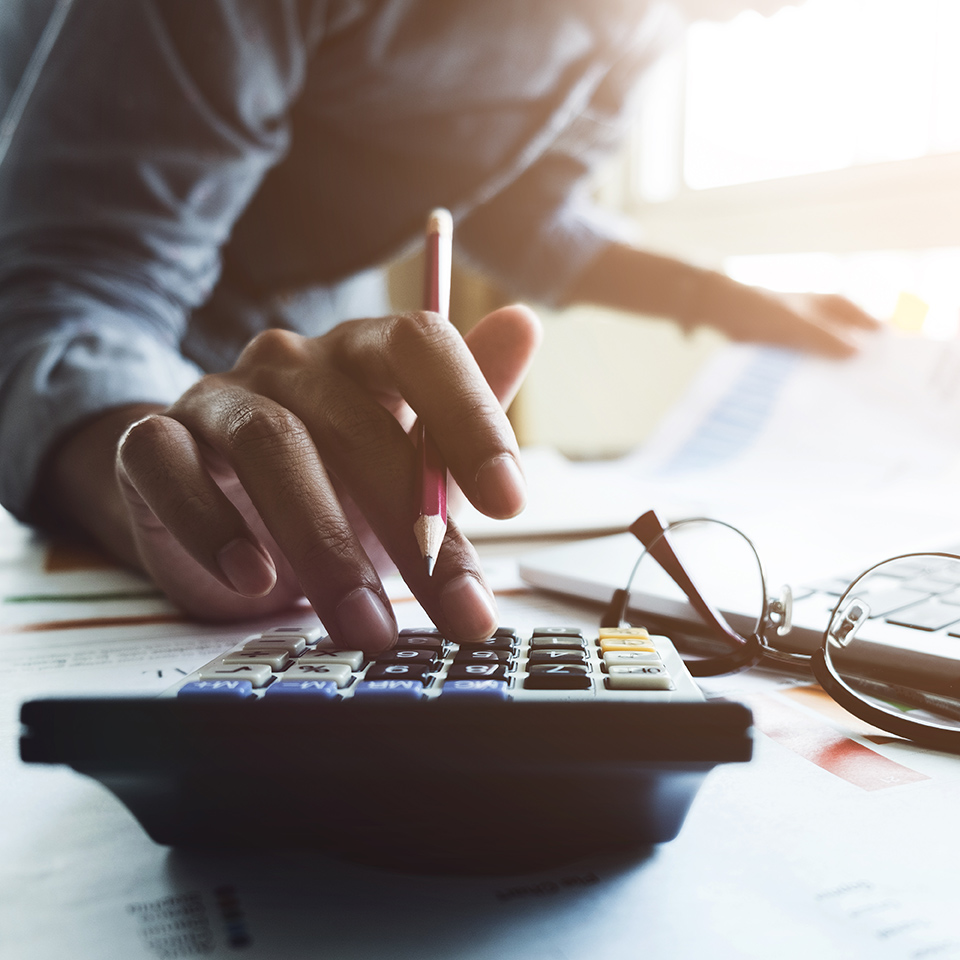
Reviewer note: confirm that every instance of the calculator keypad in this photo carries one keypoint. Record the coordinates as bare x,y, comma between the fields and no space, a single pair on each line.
557,662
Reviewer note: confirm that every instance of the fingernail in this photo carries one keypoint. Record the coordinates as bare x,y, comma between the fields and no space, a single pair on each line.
468,608
250,572
501,486
364,622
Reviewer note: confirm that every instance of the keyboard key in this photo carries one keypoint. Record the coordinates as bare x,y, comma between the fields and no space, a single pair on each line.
631,656
615,644
460,689
557,656
313,689
408,656
931,615
257,673
293,645
239,689
398,671
477,671
623,633
556,643
318,654
339,673
639,677
388,689
307,633
275,659
558,632
466,655
420,643
495,643
559,676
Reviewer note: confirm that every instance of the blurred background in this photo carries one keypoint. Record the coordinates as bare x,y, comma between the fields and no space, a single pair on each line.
815,149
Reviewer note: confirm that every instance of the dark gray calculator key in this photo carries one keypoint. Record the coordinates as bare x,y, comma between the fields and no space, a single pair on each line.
408,656
398,671
559,676
477,671
421,632
507,633
556,643
557,656
419,643
931,615
494,643
466,655
558,632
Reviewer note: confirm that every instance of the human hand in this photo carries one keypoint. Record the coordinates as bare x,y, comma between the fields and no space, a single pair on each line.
234,497
821,323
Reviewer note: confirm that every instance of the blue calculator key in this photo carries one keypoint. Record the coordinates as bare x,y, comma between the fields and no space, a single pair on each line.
475,688
241,689
403,689
318,689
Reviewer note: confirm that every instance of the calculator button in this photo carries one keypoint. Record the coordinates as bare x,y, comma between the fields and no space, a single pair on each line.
466,655
614,644
460,689
631,656
639,677
558,632
388,689
559,676
316,689
274,659
339,673
419,643
257,673
352,658
506,633
398,671
421,632
556,643
493,643
623,633
557,656
477,671
408,656
309,634
241,689
292,644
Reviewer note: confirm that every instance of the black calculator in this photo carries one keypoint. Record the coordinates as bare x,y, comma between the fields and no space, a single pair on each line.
519,752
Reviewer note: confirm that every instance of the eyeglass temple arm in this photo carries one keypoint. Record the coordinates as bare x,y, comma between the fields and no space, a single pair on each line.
652,533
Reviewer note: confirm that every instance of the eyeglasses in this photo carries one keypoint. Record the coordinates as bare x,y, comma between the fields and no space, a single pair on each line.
888,642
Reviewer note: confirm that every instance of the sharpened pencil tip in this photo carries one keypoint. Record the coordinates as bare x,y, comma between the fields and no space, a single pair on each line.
431,563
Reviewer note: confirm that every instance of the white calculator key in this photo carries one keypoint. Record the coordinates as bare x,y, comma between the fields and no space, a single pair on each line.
310,634
338,672
612,657
353,658
257,673
292,644
640,677
275,659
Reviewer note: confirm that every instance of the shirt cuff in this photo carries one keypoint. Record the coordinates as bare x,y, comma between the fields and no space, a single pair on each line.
67,379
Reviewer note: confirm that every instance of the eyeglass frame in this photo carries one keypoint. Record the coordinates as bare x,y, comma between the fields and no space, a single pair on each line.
775,613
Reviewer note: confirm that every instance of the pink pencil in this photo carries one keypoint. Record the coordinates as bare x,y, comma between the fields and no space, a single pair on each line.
431,523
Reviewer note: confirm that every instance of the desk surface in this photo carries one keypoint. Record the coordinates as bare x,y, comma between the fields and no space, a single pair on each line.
827,844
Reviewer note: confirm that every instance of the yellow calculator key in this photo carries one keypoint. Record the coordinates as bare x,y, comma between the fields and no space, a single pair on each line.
614,643
626,633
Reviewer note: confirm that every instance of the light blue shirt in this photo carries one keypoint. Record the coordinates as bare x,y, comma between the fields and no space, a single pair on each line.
177,175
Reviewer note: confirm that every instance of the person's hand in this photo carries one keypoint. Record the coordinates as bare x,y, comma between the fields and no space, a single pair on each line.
247,493
820,323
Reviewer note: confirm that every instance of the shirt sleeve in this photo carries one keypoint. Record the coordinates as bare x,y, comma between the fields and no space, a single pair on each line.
135,137
539,232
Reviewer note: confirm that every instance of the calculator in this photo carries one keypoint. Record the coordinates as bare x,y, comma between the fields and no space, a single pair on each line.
522,751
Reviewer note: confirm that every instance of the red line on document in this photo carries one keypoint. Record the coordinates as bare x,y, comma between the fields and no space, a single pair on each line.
827,748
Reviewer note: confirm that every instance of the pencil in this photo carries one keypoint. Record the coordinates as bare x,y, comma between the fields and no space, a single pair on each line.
431,524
